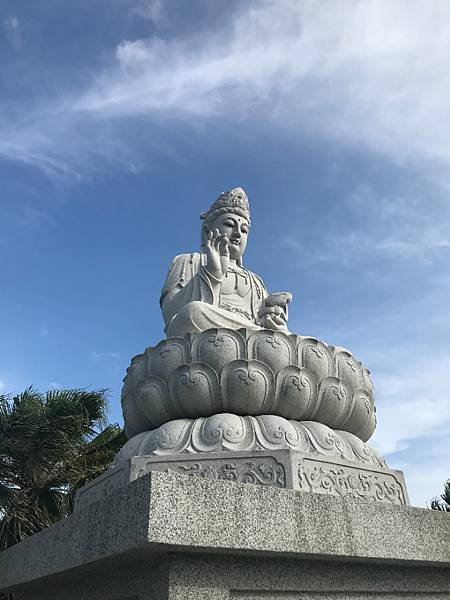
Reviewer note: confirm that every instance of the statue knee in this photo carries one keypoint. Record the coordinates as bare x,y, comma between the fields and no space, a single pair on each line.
190,312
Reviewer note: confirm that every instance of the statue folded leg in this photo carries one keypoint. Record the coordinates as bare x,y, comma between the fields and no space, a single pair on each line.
198,316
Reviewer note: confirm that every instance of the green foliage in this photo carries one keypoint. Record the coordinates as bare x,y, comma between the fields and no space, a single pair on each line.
443,501
50,445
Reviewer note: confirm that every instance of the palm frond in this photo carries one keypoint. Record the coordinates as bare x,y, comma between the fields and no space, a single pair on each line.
442,502
50,444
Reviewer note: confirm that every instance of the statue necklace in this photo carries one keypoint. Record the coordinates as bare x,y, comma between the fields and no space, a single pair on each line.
241,272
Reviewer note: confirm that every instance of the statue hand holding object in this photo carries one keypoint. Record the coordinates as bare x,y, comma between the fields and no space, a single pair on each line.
274,313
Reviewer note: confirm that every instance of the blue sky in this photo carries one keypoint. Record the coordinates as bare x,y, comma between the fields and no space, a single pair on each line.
120,122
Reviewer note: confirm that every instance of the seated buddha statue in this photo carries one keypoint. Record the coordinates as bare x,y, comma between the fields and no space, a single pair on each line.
212,288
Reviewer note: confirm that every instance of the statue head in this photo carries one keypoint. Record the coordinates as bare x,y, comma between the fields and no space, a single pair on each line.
230,214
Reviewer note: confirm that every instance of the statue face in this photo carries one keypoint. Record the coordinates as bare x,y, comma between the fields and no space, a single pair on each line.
236,229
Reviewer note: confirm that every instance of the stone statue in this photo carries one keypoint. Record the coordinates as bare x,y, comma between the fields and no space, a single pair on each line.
212,288
232,394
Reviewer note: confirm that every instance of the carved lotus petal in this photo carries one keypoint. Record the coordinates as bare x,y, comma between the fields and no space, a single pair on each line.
195,389
218,347
170,438
134,420
131,448
272,431
367,383
222,432
324,440
153,402
167,356
313,381
273,348
361,451
136,372
349,371
316,357
361,419
296,393
333,403
247,387
247,433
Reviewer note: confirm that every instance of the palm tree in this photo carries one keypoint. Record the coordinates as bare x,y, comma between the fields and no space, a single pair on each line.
50,445
443,501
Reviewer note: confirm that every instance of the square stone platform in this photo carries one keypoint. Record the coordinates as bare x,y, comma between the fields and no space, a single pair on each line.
172,537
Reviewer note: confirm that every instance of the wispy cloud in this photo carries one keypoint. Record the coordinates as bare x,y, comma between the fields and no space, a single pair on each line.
13,31
414,401
370,74
412,229
412,388
2,385
427,469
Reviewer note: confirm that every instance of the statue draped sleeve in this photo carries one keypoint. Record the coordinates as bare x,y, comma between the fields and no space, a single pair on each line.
186,281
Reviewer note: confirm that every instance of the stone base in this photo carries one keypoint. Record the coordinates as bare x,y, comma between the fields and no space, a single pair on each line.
278,468
180,576
168,537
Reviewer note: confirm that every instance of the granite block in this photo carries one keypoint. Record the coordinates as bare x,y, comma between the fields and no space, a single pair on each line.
196,538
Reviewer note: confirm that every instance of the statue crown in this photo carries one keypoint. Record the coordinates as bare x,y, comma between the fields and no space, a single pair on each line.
234,201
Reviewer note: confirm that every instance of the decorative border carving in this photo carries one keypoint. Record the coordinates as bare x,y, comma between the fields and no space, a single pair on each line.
269,468
348,481
266,471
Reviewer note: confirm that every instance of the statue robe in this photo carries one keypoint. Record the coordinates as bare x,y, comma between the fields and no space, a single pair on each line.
190,299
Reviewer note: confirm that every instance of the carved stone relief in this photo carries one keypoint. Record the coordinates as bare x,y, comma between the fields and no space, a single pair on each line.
248,373
347,481
227,432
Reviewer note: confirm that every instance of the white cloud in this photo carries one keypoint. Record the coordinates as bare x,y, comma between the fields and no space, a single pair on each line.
413,410
13,31
413,403
372,74
425,478
2,385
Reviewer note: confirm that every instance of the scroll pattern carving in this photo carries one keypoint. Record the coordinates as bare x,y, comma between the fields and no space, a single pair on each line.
261,472
353,483
248,373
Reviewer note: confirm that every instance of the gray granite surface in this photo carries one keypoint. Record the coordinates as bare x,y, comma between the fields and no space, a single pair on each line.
180,576
164,513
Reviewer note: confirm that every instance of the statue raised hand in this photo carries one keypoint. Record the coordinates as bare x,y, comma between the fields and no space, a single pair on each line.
217,254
